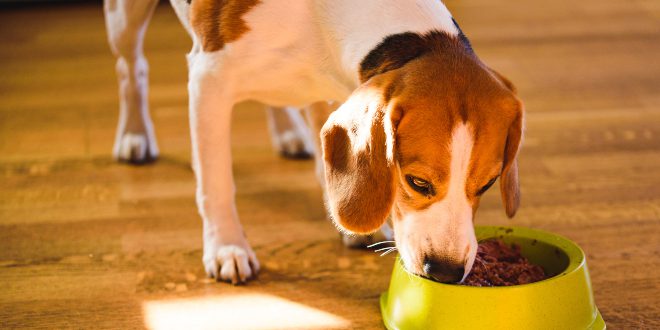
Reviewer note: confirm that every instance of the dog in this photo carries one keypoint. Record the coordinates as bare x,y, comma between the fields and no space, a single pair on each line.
408,123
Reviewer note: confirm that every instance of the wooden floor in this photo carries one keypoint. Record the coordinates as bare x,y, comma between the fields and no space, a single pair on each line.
88,243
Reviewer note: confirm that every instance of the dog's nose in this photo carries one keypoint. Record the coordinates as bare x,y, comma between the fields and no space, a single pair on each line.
444,272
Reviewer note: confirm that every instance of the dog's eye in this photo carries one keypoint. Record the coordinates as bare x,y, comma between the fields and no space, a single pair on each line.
484,188
420,185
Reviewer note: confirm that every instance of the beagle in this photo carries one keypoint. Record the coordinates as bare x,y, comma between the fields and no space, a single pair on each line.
413,126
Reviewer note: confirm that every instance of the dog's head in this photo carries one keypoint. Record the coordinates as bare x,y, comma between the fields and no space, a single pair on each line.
423,141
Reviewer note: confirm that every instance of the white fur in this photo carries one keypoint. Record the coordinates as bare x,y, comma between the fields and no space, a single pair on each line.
132,146
295,53
353,28
346,114
444,229
320,56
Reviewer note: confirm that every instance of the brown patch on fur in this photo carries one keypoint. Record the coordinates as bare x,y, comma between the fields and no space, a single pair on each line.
218,22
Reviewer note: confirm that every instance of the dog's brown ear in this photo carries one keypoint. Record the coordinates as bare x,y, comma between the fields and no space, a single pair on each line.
358,150
509,184
509,85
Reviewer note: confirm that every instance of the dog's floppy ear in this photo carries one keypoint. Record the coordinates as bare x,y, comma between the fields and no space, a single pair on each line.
509,85
358,151
509,184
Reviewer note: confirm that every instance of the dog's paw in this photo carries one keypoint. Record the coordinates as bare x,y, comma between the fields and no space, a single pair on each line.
292,145
135,148
231,263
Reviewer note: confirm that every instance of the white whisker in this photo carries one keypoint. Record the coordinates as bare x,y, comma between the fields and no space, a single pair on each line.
378,243
385,248
388,251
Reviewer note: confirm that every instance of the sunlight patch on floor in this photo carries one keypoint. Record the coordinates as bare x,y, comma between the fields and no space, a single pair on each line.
245,311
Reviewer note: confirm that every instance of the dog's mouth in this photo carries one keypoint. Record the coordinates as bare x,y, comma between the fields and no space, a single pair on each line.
437,269
431,278
440,280
424,275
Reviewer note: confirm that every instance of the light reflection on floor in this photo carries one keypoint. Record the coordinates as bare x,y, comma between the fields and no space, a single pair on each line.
244,311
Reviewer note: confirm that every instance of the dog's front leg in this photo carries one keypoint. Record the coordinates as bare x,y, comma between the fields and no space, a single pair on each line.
227,254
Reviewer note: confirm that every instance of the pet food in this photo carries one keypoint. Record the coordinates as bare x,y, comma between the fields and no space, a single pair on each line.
498,264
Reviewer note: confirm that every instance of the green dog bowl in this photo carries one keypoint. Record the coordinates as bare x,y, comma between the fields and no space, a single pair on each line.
563,301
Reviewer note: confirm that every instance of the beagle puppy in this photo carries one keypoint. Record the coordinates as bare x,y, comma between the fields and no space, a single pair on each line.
413,126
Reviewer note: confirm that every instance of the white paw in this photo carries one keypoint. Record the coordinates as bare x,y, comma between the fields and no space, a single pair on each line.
231,263
292,145
136,148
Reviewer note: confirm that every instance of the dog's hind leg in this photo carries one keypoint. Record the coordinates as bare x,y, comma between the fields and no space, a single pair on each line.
289,133
126,23
316,115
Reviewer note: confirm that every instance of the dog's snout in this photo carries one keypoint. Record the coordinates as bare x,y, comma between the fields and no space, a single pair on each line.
444,272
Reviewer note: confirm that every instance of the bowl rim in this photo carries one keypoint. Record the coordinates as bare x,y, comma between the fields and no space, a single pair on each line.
576,259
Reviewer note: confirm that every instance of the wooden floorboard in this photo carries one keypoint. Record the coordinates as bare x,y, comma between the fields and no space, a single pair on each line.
88,243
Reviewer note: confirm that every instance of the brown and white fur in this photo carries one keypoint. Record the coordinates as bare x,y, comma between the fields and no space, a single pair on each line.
421,128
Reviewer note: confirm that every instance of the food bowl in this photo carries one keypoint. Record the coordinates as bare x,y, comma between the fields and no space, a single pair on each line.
562,301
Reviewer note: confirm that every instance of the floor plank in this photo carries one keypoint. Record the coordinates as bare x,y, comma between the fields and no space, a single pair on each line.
88,243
